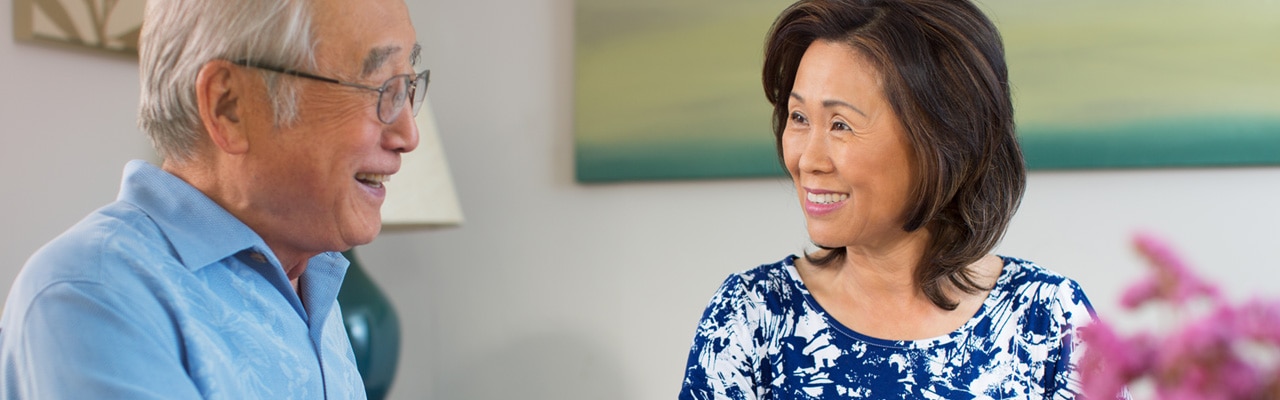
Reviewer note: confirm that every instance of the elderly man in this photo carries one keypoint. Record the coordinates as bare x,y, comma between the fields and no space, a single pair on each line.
216,274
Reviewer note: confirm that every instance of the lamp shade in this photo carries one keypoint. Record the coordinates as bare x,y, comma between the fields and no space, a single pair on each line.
422,194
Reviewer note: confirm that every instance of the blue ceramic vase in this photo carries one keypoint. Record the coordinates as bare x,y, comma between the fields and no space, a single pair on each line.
373,327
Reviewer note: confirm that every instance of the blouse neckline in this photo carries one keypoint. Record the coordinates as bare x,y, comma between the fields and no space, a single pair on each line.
993,297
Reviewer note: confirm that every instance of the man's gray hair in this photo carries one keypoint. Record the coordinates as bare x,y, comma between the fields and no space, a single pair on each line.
181,36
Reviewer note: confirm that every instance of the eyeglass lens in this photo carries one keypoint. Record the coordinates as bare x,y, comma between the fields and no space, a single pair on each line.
398,89
419,90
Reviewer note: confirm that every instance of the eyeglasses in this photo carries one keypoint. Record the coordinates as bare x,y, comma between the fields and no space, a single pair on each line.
391,96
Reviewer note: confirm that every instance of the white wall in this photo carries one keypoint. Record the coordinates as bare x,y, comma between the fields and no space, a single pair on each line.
67,126
554,290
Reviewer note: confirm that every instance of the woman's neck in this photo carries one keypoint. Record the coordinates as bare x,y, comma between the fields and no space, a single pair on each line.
874,292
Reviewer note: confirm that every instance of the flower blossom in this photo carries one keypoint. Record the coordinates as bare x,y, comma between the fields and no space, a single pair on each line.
1229,352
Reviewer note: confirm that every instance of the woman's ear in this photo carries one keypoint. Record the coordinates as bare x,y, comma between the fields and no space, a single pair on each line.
219,90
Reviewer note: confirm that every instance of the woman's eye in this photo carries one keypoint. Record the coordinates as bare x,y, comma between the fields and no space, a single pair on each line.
840,126
798,118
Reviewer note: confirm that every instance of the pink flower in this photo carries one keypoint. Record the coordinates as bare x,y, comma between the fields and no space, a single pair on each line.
1228,353
1111,361
1172,281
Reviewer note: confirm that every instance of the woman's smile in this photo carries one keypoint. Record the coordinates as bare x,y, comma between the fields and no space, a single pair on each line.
821,202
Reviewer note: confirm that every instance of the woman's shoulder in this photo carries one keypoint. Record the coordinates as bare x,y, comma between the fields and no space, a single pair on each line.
1020,272
1040,288
766,279
771,288
769,273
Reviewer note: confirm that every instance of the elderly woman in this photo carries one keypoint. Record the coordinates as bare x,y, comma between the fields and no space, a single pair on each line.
894,120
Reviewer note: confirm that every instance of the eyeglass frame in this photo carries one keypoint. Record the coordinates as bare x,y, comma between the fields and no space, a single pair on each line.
415,101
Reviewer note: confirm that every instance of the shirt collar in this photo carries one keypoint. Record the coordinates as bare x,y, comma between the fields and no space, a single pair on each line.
200,231
203,233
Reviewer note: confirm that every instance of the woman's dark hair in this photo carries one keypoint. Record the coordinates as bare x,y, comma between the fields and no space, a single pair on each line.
943,71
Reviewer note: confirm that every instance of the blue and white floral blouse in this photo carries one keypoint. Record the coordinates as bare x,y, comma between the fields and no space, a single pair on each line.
764,337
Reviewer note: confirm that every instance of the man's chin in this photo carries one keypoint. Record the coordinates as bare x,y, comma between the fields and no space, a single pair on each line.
362,236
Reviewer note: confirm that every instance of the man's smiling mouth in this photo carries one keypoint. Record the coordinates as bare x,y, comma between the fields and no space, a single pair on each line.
373,180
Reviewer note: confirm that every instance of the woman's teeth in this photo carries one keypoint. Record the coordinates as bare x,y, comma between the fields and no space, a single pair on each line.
826,198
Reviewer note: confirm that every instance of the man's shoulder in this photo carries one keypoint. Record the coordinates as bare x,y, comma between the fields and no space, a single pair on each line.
116,236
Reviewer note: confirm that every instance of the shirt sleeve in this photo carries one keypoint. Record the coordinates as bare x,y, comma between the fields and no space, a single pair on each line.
1076,312
724,358
81,339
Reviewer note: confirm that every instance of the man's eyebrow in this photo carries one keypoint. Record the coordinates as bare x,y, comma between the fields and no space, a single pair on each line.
377,56
380,55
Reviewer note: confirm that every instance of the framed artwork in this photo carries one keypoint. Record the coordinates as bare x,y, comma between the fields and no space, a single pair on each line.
100,25
668,89
1144,83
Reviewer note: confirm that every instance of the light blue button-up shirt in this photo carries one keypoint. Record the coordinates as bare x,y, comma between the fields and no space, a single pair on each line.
163,294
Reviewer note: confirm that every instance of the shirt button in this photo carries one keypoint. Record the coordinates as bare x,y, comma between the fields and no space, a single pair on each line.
256,256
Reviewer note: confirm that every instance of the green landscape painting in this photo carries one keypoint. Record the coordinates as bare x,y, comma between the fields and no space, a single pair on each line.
671,89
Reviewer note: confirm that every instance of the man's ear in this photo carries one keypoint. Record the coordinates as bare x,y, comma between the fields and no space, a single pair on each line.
220,90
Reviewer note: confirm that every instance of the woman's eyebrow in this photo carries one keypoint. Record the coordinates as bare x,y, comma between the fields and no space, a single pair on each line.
831,104
834,103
